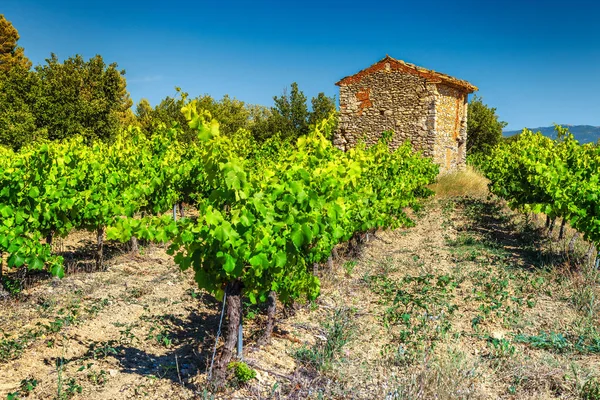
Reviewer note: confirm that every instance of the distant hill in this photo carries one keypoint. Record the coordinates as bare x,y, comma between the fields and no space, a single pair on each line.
583,133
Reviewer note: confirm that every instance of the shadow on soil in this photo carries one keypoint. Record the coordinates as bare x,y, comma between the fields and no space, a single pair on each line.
191,353
79,260
192,339
526,242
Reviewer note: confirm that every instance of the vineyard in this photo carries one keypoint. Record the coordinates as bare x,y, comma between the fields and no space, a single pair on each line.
559,178
337,271
266,215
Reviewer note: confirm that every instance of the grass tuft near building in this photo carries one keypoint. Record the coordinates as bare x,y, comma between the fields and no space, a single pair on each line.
468,182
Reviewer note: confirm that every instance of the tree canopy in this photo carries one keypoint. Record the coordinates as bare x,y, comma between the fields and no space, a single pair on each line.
290,117
322,107
81,97
18,93
484,130
11,54
231,113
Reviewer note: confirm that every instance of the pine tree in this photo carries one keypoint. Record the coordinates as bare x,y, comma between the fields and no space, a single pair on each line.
11,55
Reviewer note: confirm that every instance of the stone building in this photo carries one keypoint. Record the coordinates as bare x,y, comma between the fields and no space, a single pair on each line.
426,107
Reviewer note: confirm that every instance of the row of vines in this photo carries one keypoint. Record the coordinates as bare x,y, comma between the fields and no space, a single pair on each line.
266,213
560,178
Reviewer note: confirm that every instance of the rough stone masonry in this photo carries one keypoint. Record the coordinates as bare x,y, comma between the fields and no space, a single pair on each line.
426,107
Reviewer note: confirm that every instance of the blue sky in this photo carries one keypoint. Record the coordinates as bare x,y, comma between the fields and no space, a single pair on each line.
537,62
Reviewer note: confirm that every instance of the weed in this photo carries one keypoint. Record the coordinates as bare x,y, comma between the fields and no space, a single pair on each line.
98,378
99,350
561,343
27,386
417,314
71,389
349,267
584,293
136,293
242,372
59,323
127,337
159,331
448,207
590,390
546,341
96,307
500,294
207,396
161,335
12,286
45,306
338,332
500,348
165,369
468,182
251,311
466,247
12,348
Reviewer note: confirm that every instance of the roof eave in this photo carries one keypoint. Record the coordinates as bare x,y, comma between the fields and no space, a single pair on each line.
446,79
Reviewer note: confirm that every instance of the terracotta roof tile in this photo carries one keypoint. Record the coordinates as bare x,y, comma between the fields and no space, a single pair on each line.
430,75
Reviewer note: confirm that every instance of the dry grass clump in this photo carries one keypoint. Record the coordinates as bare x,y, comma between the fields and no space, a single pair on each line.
452,376
546,376
468,182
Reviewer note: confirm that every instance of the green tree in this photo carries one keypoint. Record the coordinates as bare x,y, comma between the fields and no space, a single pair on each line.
484,130
167,113
259,121
290,114
322,107
81,97
19,88
10,54
144,115
232,114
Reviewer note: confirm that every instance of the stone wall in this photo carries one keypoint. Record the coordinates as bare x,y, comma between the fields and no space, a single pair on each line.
387,100
451,128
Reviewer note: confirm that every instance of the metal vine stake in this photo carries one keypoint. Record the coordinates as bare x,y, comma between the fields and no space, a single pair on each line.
212,361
